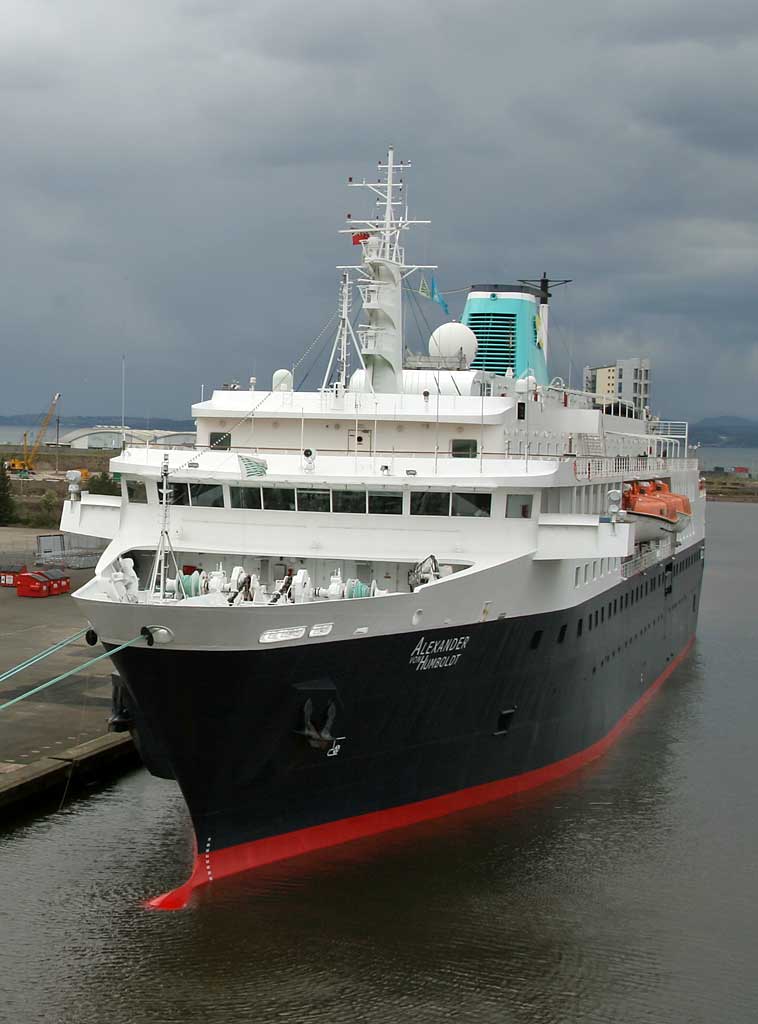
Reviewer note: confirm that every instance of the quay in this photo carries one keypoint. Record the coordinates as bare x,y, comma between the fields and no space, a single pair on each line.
56,742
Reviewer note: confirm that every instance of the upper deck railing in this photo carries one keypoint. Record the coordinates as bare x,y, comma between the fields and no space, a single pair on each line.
586,468
628,465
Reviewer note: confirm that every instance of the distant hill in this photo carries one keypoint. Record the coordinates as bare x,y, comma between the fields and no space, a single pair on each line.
136,422
725,432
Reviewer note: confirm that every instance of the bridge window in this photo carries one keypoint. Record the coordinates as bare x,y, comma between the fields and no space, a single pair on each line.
430,503
245,497
518,506
279,499
178,494
312,500
349,501
385,503
220,439
136,491
463,448
471,504
207,495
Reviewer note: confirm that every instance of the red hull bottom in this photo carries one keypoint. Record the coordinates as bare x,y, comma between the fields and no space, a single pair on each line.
212,865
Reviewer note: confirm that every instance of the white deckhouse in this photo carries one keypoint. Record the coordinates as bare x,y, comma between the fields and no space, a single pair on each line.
391,500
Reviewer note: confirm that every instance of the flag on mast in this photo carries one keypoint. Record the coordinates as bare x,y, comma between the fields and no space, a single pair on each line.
436,296
423,288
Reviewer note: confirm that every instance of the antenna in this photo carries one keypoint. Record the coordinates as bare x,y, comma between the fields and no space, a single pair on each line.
381,273
345,333
123,401
544,284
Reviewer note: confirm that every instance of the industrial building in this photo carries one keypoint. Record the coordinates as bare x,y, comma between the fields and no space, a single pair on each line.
114,437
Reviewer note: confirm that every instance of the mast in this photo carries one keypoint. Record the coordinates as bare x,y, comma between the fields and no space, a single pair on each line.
380,275
544,284
345,334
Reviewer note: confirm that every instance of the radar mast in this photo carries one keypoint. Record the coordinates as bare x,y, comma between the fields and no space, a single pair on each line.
380,275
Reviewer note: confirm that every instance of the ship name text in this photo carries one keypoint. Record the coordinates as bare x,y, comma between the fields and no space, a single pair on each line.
428,654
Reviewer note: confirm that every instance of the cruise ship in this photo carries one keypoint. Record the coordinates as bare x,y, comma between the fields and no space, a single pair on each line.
430,583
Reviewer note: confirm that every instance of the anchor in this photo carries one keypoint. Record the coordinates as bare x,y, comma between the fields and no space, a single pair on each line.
321,739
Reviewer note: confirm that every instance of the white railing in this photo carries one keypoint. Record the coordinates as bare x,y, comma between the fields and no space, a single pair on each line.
638,563
677,429
616,466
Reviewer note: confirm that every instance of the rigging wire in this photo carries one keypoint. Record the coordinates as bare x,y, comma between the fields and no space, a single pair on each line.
429,334
315,341
314,362
196,454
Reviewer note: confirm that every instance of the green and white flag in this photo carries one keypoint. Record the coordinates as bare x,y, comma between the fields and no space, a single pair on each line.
424,289
251,466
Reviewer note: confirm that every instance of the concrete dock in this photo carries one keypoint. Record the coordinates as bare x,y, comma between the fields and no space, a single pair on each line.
57,739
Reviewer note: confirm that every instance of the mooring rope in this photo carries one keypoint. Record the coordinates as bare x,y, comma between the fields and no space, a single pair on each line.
71,672
42,654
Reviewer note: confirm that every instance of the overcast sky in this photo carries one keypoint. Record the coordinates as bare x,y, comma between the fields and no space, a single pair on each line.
173,178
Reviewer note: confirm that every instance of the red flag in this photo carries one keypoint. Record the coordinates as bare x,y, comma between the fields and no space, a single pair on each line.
360,236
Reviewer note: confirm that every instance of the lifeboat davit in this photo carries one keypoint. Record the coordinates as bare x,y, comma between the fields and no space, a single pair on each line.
655,509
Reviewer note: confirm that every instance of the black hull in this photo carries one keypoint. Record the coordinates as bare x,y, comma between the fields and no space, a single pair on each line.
422,714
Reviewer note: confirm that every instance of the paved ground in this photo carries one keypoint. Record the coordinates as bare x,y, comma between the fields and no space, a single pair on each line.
68,713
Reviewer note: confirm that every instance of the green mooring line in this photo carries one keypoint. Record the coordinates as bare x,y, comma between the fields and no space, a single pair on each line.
42,654
71,672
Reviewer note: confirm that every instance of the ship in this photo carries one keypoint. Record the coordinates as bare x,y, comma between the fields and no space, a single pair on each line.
431,582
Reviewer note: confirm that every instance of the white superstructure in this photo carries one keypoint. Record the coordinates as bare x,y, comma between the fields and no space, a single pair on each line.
390,500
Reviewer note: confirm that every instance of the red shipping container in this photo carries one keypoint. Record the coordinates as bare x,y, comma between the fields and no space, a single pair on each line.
32,584
9,574
60,583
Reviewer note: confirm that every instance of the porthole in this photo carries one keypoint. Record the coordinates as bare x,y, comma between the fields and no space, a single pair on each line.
417,616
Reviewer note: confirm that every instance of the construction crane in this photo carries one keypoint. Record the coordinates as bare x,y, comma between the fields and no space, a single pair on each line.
26,465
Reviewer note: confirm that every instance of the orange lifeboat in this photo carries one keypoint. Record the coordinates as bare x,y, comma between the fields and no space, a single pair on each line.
655,509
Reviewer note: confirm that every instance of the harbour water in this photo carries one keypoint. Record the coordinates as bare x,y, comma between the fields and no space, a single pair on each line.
709,458
627,894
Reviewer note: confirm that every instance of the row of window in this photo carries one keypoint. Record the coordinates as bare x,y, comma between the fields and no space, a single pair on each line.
618,604
594,570
460,447
300,499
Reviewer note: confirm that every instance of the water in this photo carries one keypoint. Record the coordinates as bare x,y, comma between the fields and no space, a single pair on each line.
626,894
11,434
728,458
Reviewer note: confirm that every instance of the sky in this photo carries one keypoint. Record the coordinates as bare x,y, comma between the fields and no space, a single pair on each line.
173,180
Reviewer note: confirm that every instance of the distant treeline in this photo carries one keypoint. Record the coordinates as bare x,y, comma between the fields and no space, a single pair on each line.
136,422
725,432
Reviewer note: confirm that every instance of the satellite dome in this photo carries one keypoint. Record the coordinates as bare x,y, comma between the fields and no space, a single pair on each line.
282,380
452,338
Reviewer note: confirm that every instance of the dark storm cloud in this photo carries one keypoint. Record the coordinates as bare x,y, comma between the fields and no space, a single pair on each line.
173,180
